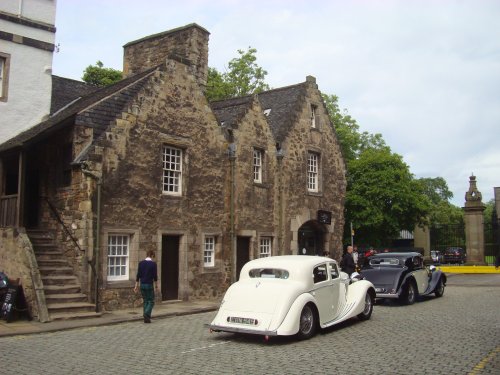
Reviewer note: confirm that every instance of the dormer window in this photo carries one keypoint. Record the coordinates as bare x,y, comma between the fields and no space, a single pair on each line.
267,111
313,116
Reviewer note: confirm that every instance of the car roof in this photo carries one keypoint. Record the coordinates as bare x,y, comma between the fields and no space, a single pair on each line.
288,262
396,255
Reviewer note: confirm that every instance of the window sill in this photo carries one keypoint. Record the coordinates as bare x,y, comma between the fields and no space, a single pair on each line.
315,193
261,185
210,270
120,284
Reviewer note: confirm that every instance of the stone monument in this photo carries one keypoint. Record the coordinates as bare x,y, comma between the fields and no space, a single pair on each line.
474,224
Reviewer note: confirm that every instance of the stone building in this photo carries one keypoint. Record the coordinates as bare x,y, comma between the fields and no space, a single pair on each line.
149,164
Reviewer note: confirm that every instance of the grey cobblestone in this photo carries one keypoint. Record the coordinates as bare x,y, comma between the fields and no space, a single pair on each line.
456,334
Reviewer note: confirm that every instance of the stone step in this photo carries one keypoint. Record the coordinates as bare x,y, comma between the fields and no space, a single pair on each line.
79,315
61,289
59,280
52,263
63,298
54,271
48,255
40,248
70,307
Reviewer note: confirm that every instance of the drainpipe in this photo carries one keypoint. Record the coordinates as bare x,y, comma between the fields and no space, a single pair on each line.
95,268
279,156
232,159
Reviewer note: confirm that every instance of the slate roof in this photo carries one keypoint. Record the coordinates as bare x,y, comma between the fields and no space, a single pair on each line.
283,103
96,109
65,90
231,111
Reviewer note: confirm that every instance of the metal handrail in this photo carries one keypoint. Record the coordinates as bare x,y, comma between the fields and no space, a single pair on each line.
54,211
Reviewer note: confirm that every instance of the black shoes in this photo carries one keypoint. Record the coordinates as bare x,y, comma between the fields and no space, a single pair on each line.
147,319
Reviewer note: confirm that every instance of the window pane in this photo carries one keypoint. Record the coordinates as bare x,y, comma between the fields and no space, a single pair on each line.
118,257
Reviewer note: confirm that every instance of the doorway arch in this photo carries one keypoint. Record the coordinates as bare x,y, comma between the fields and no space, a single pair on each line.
311,238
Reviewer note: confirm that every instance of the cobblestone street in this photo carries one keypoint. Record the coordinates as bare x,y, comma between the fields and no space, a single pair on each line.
456,334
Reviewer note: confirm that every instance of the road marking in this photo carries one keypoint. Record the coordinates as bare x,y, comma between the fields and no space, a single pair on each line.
204,347
482,363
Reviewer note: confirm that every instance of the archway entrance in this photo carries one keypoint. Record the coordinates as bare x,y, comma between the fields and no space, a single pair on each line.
311,238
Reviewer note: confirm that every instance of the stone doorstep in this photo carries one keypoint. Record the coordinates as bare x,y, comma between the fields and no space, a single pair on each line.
65,298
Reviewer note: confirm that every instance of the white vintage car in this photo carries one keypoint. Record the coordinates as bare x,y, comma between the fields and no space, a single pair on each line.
292,295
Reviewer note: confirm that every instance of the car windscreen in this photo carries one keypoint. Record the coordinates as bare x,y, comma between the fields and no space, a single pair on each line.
385,262
269,273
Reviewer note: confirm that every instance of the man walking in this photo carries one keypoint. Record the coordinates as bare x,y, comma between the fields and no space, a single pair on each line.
147,273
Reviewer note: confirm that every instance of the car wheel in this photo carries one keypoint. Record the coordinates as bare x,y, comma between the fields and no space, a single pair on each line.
439,291
367,312
307,324
409,296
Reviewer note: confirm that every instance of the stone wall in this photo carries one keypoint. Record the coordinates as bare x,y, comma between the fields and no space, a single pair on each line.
16,259
170,110
301,205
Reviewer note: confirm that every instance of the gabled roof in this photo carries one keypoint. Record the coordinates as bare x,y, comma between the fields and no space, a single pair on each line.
96,110
282,103
231,111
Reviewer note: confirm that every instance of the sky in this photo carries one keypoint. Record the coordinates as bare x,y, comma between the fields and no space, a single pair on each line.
424,74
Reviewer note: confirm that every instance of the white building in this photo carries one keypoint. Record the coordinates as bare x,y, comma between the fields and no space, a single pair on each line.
27,35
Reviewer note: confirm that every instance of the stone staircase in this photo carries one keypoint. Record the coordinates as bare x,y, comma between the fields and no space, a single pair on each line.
62,289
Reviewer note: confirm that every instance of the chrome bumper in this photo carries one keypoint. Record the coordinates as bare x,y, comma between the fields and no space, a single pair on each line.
216,328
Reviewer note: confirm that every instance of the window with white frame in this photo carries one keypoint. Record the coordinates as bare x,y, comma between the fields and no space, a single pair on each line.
265,247
4,72
313,116
172,170
209,251
312,171
258,156
118,256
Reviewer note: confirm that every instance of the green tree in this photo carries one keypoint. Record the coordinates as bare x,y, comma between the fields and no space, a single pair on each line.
438,193
99,76
382,197
243,77
352,141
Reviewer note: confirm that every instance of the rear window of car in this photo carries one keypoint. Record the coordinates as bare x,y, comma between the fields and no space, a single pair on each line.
269,273
384,262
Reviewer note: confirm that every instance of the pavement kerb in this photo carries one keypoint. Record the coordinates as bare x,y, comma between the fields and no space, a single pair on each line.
468,269
161,311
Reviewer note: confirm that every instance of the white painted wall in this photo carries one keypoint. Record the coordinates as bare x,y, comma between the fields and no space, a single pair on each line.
30,74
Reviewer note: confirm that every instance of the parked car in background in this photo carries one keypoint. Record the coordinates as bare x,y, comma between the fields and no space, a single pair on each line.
403,276
437,256
292,295
454,255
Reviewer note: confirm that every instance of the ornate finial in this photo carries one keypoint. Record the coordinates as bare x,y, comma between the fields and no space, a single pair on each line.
473,194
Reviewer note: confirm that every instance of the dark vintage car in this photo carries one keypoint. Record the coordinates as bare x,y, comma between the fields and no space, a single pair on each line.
403,276
454,255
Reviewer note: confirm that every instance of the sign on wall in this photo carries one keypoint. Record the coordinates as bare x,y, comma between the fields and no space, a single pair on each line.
324,217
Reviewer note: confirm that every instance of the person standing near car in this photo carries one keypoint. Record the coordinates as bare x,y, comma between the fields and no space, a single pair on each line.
347,263
355,257
147,274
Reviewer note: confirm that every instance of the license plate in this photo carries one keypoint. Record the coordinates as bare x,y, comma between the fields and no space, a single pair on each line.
238,320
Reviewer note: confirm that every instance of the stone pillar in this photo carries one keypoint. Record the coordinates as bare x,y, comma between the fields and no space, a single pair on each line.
422,238
474,224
